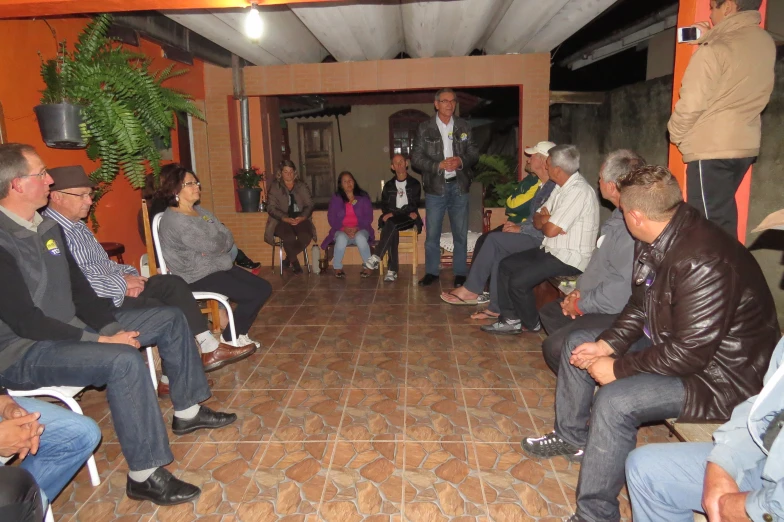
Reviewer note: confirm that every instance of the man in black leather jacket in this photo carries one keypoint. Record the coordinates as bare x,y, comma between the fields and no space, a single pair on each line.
693,342
444,154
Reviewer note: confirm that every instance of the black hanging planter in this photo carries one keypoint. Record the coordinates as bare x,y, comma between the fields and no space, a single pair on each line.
249,199
59,125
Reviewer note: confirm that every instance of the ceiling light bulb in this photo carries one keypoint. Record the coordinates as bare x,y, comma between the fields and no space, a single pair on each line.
254,25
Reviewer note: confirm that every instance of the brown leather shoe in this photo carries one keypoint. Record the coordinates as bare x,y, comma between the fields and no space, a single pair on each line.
163,388
225,354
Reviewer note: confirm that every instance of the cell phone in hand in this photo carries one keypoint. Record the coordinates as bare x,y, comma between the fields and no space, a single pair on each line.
688,34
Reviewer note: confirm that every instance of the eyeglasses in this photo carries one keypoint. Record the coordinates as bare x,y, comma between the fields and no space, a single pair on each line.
40,175
191,184
88,195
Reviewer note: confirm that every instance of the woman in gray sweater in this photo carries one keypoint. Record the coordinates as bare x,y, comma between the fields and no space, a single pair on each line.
196,247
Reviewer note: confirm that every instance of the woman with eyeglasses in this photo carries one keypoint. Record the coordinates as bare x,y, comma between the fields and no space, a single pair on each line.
197,247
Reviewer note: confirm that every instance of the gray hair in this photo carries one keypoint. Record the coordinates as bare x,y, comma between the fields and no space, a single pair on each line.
565,157
743,5
444,91
620,163
13,164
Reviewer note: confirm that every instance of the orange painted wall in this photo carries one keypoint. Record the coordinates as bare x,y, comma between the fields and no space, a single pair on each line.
20,86
689,13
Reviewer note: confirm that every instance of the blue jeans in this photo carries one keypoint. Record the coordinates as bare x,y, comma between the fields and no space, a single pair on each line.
456,203
67,442
132,400
615,413
342,240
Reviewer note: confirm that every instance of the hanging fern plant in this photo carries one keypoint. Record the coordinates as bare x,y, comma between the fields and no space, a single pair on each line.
124,106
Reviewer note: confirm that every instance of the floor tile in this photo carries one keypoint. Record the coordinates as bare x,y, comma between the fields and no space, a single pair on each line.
377,370
431,369
313,414
385,338
423,338
309,315
369,414
435,413
278,371
498,415
329,370
297,339
427,315
341,339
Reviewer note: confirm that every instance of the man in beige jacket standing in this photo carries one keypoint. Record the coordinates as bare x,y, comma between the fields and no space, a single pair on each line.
716,123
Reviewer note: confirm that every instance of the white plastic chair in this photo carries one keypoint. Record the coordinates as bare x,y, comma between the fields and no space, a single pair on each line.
199,296
49,516
65,394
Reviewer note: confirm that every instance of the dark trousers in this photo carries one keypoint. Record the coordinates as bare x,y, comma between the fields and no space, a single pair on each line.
481,241
605,424
390,238
132,400
711,186
295,238
169,290
558,327
518,274
20,498
248,291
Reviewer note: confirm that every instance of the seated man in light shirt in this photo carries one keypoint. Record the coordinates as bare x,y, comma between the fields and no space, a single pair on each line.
70,199
569,221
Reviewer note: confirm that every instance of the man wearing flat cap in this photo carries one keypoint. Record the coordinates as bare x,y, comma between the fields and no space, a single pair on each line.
70,198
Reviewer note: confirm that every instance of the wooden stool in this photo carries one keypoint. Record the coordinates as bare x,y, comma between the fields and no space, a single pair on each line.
115,250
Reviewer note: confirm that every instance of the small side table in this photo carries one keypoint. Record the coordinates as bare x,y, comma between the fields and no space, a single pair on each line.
115,250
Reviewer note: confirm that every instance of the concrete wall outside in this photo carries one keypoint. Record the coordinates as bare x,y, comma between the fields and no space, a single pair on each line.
661,55
636,117
774,20
365,137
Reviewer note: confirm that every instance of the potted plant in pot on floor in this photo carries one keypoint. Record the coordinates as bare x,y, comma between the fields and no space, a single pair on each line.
248,189
123,107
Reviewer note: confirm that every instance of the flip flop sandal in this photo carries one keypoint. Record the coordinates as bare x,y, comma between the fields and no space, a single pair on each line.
483,315
463,302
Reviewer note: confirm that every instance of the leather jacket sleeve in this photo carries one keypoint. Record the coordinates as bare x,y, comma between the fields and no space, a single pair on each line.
702,302
419,158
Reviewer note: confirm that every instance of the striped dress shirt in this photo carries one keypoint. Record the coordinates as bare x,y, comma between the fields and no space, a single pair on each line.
104,275
574,208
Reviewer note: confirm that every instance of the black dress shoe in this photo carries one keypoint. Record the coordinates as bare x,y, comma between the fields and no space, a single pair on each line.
206,418
459,281
428,280
162,488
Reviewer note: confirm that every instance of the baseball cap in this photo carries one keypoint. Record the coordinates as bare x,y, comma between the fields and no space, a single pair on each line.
543,148
774,221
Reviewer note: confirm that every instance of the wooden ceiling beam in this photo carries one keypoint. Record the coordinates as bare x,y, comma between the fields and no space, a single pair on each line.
39,8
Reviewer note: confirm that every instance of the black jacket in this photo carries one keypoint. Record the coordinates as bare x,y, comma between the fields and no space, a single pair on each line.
389,200
710,313
429,152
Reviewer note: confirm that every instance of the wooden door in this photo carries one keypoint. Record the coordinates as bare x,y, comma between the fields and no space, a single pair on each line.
317,159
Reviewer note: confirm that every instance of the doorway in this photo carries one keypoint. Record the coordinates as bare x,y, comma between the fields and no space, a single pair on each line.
317,159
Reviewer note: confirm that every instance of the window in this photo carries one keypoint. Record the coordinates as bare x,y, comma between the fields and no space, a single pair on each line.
402,131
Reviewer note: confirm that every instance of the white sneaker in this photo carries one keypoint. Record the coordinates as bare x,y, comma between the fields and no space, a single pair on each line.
242,340
373,262
391,276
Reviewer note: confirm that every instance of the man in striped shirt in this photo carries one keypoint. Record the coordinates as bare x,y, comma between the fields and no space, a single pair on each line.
70,199
569,221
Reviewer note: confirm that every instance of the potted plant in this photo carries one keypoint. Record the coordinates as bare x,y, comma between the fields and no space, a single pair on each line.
498,175
123,106
248,188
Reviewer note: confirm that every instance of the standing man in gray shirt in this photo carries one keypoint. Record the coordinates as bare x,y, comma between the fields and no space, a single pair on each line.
605,286
444,154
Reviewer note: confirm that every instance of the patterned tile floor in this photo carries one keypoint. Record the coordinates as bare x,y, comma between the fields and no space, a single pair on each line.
369,401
